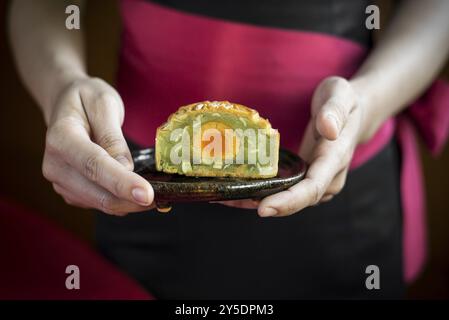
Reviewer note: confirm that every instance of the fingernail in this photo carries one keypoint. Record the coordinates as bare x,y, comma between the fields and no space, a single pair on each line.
124,161
141,196
333,119
268,212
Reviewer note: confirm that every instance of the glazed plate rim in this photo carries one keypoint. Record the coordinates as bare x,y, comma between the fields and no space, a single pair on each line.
194,189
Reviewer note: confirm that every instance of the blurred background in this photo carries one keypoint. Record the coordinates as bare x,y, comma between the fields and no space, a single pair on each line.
22,134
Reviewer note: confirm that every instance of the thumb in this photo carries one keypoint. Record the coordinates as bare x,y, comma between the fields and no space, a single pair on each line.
111,139
332,117
105,116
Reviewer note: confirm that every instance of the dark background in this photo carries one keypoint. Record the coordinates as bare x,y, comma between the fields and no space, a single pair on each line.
22,133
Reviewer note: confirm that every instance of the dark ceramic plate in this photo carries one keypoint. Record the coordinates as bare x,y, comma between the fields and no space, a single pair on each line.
171,188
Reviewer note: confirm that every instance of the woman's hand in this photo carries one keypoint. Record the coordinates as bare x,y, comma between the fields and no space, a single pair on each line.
336,127
328,145
86,157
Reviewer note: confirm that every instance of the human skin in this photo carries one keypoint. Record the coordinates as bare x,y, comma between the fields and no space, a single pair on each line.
89,164
86,157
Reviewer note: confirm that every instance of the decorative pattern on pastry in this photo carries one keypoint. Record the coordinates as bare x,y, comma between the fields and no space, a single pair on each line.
217,139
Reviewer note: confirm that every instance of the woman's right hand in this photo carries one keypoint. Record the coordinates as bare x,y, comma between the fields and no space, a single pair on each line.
86,156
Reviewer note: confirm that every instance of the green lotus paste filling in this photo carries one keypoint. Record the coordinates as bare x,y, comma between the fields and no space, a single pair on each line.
170,141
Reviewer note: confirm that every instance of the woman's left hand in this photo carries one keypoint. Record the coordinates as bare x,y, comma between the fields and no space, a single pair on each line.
336,127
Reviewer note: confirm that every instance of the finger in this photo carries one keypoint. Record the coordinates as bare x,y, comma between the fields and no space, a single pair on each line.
243,204
333,115
305,193
68,198
74,146
326,198
79,191
338,183
100,200
104,113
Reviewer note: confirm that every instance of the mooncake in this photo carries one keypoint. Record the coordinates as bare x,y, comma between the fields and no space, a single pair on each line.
217,139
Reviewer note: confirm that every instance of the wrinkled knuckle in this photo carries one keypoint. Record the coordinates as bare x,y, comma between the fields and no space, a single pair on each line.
316,193
110,205
111,142
58,133
92,167
107,204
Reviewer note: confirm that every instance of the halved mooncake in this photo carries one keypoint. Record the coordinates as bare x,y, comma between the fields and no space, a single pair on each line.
217,139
